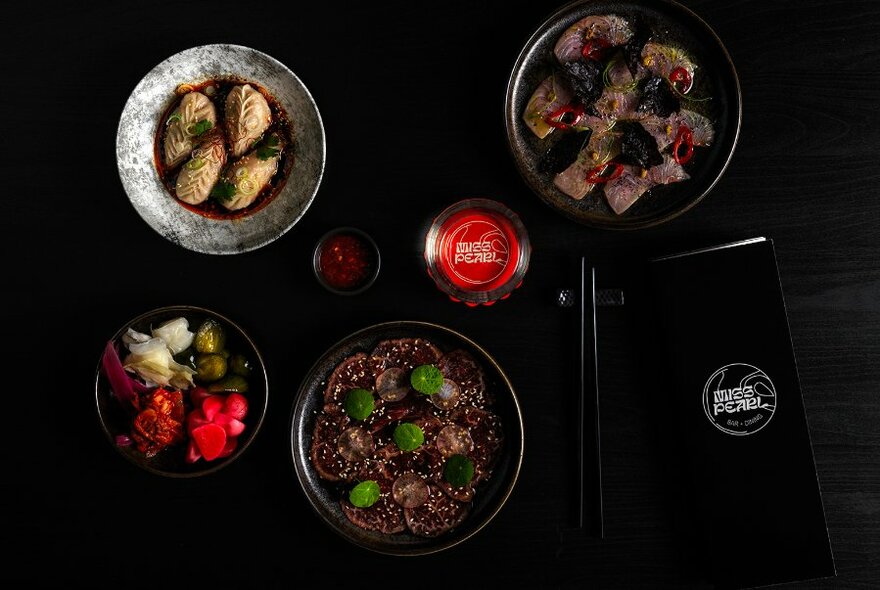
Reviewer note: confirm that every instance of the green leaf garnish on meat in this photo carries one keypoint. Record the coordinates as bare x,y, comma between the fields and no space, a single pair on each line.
359,404
408,436
364,494
426,379
197,129
459,470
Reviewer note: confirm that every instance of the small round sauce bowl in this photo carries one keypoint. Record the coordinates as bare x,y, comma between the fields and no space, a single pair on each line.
346,261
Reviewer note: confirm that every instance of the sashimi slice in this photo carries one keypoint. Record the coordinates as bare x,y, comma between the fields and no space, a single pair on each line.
610,28
626,189
665,129
668,172
601,148
660,59
550,94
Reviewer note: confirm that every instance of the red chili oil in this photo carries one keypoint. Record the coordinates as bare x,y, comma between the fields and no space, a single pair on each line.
477,251
281,124
346,261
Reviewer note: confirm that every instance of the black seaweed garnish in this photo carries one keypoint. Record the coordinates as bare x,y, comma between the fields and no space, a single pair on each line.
564,152
632,51
637,146
658,98
585,78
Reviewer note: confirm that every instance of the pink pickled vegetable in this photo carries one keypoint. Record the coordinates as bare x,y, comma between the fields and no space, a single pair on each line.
123,386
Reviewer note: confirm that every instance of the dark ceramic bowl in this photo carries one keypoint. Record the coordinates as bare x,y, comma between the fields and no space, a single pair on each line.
116,418
672,24
373,259
325,496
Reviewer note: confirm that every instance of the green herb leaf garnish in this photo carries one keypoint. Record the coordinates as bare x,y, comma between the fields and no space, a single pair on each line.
268,148
408,436
426,379
459,470
223,191
364,494
197,129
359,404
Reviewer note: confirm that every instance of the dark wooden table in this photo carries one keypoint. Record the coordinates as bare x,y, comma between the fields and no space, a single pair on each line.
412,101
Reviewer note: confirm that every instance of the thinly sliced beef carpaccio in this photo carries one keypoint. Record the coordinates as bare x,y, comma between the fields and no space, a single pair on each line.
414,494
461,367
408,353
439,514
357,371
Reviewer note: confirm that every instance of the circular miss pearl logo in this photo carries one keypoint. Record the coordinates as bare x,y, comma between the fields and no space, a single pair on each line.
739,399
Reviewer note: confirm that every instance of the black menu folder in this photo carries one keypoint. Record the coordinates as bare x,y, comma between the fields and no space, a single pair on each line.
730,376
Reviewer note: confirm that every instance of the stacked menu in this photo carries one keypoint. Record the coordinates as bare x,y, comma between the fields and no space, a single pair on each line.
738,417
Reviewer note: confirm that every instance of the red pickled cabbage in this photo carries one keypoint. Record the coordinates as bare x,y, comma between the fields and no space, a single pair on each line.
123,386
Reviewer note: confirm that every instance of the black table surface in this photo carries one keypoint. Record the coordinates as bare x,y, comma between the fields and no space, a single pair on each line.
412,99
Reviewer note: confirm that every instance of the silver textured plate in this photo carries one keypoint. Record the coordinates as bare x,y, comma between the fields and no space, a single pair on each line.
137,170
672,23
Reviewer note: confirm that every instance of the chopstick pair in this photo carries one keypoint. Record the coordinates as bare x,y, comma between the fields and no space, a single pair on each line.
590,497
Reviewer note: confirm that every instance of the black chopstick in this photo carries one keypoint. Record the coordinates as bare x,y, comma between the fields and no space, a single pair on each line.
590,514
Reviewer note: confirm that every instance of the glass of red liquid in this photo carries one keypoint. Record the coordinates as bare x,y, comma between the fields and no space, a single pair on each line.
477,251
346,261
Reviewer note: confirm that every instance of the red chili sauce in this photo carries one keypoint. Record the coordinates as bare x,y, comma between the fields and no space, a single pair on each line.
346,261
220,88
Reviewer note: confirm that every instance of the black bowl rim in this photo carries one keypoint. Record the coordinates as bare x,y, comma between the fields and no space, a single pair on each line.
508,101
299,456
255,428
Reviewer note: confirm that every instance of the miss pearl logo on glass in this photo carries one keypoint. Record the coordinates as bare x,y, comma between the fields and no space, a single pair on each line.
739,399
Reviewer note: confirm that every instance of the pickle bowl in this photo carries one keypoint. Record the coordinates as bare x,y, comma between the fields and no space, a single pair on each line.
181,391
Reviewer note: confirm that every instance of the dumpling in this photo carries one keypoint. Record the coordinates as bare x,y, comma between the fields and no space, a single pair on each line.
246,178
199,175
193,116
247,117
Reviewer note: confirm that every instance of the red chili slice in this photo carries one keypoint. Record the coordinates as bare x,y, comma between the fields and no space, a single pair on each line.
597,175
685,137
556,118
681,80
594,48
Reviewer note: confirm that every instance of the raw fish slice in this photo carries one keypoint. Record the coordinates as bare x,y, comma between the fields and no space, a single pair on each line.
601,148
183,126
199,175
597,124
626,189
665,130
247,116
700,126
618,77
662,129
550,94
250,175
660,60
668,172
610,28
613,105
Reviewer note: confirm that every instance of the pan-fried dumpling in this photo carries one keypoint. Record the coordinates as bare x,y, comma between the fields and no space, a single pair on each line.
193,116
247,117
199,175
246,178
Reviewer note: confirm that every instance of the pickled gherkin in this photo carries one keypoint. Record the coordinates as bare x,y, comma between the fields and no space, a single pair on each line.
240,365
210,337
229,383
210,367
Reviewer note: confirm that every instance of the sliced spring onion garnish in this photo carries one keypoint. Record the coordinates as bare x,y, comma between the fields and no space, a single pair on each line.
195,164
241,173
247,186
606,78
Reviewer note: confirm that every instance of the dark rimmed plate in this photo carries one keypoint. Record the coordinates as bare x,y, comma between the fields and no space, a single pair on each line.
673,24
324,496
115,420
